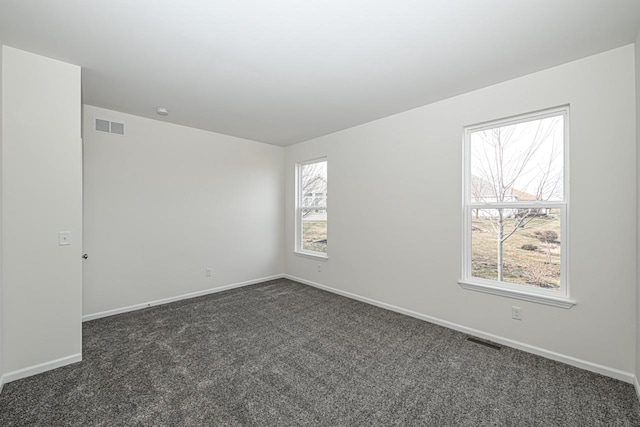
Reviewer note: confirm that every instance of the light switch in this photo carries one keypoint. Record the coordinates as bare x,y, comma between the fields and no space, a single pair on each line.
64,238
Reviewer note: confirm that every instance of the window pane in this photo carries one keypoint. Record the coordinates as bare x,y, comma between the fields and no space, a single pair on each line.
531,246
314,230
313,181
520,162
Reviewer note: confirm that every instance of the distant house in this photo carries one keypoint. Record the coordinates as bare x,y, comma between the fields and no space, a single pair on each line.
485,191
315,195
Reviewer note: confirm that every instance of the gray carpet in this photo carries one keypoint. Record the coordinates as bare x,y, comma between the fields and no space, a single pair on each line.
281,353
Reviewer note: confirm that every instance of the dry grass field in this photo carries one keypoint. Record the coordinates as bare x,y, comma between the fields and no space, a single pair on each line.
531,254
314,235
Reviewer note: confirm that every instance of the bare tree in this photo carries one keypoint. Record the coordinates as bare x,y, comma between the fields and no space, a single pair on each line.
517,162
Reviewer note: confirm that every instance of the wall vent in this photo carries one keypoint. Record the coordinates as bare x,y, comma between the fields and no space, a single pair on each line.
102,125
117,128
485,343
109,127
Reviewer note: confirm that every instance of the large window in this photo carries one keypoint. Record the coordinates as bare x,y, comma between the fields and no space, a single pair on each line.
311,208
515,206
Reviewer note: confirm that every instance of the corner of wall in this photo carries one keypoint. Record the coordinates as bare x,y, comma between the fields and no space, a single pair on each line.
1,210
283,217
637,103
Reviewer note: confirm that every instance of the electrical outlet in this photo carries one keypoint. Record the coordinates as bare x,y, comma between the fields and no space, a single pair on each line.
516,313
319,268
208,272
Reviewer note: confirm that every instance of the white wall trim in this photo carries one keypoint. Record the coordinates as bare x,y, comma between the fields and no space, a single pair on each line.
93,316
1,383
637,385
40,368
573,361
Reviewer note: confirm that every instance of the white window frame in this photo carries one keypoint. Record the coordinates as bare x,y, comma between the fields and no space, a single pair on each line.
558,298
298,247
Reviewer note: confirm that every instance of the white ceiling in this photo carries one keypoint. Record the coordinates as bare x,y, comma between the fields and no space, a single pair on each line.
284,71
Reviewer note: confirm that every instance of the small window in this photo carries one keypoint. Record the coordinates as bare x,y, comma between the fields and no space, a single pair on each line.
515,204
311,208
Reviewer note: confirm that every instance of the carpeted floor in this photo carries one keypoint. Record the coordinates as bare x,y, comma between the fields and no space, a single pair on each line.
281,354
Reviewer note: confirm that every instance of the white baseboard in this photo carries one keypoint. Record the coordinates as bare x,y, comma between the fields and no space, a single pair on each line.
40,368
637,385
140,306
579,363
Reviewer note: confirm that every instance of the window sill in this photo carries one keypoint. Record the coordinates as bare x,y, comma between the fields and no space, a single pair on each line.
522,295
312,255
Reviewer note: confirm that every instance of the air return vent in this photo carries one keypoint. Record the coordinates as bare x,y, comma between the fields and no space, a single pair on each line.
484,342
109,127
102,125
117,128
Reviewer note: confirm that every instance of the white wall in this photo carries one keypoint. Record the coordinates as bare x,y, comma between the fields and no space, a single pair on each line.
637,337
41,195
1,132
395,212
165,202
